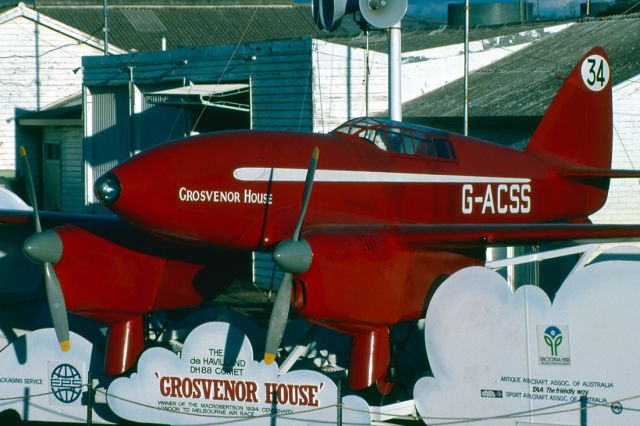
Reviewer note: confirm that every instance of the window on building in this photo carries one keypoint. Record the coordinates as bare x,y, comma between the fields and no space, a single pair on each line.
52,151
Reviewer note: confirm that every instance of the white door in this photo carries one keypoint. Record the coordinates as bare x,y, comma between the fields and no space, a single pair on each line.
51,177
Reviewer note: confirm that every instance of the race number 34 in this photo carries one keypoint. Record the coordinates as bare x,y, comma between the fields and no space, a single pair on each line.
595,72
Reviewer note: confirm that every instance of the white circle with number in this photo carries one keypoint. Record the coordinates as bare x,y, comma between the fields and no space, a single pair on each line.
595,72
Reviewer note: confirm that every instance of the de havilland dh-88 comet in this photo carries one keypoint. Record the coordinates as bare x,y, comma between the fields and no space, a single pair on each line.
364,221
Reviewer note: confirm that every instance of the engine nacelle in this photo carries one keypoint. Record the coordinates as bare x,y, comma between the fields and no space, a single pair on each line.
370,279
363,283
114,274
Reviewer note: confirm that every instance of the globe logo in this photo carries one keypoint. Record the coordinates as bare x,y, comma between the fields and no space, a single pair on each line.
66,383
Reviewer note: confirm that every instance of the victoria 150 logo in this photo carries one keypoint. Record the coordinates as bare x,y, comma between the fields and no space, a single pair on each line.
553,345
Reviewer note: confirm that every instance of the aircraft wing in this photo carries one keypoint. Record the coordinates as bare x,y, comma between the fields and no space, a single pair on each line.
13,210
20,276
468,236
452,237
50,219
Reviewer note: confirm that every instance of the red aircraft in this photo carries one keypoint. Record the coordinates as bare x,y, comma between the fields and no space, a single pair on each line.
395,208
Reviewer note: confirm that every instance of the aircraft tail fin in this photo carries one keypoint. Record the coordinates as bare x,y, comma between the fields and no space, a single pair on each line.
577,127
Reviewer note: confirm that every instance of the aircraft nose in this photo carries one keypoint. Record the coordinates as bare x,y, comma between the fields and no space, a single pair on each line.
43,247
107,188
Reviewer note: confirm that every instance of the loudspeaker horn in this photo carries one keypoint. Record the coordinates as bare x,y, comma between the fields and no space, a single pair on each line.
383,13
328,14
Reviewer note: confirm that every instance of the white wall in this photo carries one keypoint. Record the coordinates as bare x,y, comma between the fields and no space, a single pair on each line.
339,84
36,70
623,203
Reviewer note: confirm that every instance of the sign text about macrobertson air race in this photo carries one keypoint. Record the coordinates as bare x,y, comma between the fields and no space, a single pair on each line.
239,391
217,386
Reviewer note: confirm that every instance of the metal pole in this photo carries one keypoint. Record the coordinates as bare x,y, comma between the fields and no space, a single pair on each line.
466,68
339,419
89,398
25,404
366,76
583,411
395,98
132,112
106,28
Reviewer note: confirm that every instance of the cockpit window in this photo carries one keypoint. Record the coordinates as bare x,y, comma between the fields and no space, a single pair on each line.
355,125
395,139
407,142
444,149
424,145
376,136
400,137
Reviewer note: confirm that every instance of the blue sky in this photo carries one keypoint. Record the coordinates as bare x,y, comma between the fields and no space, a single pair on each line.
437,9
430,9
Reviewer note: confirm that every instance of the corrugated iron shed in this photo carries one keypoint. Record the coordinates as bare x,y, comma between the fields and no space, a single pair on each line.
140,24
524,83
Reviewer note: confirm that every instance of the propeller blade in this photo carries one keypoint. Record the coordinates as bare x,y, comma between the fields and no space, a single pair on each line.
30,188
296,258
42,247
308,184
57,306
278,320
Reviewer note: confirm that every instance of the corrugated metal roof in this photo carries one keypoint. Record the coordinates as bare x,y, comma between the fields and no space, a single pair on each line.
68,111
100,3
140,24
524,83
419,34
145,20
142,27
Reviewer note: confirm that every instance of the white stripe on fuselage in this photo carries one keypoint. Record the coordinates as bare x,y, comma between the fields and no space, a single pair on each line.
263,174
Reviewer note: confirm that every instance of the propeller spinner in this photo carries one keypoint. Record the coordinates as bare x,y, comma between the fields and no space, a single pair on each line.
293,257
46,248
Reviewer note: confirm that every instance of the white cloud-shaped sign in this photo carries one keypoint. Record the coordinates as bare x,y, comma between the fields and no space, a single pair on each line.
216,380
495,354
40,382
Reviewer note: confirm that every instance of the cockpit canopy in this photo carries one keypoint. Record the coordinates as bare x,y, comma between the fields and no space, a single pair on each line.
399,137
